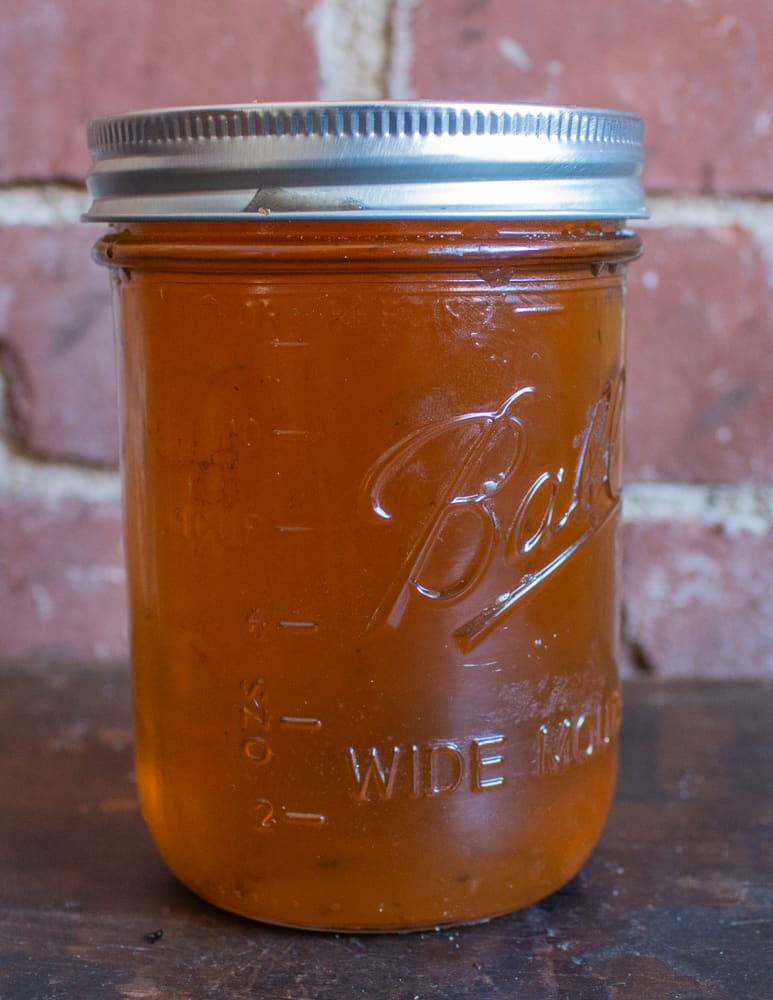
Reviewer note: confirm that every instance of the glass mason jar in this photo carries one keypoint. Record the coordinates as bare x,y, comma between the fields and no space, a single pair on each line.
371,386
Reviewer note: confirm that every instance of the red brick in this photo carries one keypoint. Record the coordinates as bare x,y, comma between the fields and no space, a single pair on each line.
700,365
699,601
62,592
56,344
701,73
66,61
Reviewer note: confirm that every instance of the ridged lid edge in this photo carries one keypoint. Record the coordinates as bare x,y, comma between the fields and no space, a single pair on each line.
122,135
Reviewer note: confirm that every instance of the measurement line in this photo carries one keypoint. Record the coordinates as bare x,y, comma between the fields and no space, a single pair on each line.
300,625
293,527
309,819
289,343
538,309
300,722
487,663
531,304
289,432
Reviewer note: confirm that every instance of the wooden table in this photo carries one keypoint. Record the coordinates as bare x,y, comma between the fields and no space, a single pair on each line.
676,902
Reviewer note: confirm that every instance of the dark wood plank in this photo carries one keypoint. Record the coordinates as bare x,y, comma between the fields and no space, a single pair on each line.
677,901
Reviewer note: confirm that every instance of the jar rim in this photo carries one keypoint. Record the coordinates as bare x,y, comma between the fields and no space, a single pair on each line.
388,160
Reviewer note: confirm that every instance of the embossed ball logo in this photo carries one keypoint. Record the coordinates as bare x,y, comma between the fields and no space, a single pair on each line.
493,496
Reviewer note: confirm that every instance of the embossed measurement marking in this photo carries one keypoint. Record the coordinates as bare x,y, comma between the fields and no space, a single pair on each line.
257,625
258,724
267,817
306,819
536,309
289,528
300,722
524,302
289,343
289,432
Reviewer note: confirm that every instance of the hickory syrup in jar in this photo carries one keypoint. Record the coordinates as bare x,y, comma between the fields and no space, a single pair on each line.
371,461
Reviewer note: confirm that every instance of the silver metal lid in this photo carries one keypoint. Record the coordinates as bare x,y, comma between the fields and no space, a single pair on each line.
390,160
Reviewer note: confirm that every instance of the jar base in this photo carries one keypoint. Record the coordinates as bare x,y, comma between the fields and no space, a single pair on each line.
356,928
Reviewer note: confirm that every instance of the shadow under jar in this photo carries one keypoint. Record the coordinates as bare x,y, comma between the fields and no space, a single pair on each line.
371,386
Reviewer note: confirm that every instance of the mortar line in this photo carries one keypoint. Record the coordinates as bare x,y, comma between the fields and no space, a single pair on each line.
352,39
734,507
752,213
27,479
400,54
42,204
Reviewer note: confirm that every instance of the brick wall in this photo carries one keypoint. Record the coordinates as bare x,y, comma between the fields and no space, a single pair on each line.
699,509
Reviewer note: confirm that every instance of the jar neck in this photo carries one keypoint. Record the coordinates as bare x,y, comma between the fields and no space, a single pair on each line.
424,244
